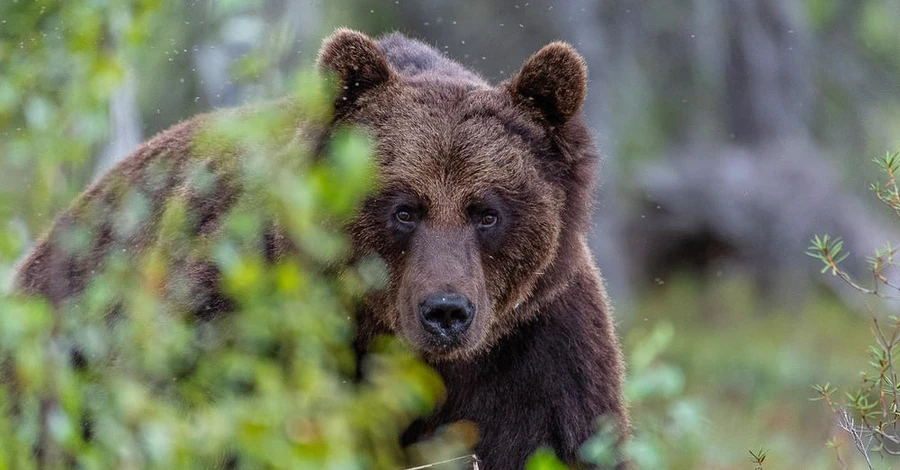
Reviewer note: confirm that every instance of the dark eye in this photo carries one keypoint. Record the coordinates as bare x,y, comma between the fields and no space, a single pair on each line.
488,219
404,215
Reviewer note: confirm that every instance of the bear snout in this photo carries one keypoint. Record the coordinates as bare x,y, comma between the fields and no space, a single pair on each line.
446,316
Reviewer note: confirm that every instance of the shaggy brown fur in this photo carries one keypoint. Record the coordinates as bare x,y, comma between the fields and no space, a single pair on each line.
483,192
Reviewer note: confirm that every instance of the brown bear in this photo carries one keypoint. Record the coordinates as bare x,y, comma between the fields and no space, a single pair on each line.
481,213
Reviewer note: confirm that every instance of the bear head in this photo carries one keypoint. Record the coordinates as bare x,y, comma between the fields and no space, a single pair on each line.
480,188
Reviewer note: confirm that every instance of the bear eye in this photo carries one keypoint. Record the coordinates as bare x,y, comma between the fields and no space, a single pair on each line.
488,219
404,215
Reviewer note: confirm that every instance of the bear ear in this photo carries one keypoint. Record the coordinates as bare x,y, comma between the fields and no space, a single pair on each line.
355,60
553,81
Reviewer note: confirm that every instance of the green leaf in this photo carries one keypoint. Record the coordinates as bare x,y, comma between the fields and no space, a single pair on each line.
544,459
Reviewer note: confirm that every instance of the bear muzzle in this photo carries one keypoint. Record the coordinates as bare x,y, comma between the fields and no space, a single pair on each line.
446,316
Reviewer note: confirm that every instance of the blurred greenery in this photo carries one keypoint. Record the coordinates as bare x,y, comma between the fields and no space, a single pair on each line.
269,385
715,372
123,376
743,372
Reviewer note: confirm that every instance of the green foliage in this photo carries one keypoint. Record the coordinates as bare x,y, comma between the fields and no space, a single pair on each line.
731,371
61,62
666,423
887,191
758,458
869,415
123,375
830,250
820,12
269,385
544,459
876,27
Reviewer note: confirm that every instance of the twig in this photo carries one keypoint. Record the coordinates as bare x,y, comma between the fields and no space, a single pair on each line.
473,459
845,421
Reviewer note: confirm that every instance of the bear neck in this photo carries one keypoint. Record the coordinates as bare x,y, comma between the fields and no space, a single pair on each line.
572,256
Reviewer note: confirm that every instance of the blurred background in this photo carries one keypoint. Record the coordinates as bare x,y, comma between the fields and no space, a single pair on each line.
732,131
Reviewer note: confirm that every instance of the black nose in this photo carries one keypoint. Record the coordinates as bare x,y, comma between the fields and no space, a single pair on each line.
446,314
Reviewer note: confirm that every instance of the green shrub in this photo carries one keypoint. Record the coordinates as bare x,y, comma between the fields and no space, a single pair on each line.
869,415
122,376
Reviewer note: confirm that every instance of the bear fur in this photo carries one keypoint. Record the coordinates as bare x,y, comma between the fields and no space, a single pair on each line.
484,191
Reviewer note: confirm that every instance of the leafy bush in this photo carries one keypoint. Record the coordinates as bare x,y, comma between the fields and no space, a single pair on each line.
870,415
122,376
667,424
271,384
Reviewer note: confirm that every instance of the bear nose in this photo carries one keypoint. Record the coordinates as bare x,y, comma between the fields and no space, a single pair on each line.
446,314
